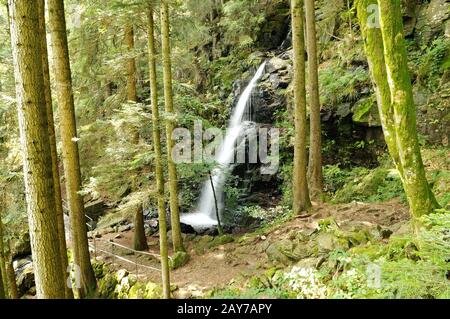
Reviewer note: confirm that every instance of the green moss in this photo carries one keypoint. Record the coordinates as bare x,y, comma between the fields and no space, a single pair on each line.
179,259
366,111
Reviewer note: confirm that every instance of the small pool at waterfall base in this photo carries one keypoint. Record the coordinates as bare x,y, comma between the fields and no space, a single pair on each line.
198,221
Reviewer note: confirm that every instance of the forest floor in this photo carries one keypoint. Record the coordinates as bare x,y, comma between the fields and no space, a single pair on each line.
211,267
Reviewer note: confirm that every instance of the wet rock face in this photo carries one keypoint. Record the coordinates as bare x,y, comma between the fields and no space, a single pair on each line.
432,19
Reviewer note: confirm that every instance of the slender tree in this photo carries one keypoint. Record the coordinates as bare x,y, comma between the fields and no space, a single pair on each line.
10,275
301,201
3,273
2,288
386,53
158,156
131,64
35,144
139,239
168,102
315,149
52,138
70,151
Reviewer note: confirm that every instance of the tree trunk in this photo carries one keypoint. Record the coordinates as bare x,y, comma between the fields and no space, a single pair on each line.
420,197
158,156
11,276
387,59
315,149
301,201
52,138
2,288
3,274
139,240
35,144
168,102
69,139
8,275
131,65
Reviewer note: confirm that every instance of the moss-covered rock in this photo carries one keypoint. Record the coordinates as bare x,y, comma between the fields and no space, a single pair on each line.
107,286
365,111
220,240
153,291
137,291
179,259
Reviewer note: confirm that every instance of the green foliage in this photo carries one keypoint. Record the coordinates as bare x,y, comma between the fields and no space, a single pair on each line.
430,62
362,184
339,84
242,20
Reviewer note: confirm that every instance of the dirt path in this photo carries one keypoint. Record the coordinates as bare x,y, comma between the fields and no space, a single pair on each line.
219,266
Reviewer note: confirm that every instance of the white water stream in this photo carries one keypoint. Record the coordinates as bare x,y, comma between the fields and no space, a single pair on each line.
205,215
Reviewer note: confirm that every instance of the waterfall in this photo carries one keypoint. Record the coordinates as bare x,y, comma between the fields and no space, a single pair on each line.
205,215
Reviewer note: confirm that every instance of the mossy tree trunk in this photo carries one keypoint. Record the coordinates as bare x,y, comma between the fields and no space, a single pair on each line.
70,150
2,288
315,149
8,275
35,145
420,197
52,138
386,53
170,125
301,200
158,155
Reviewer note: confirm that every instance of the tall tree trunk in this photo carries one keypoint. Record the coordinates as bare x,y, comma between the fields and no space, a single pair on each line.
131,64
301,201
158,152
168,102
139,239
315,149
9,278
52,138
420,197
35,144
2,288
3,274
70,151
387,59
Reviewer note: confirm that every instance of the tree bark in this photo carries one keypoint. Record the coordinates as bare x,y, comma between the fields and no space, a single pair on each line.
387,59
3,273
315,149
158,156
139,240
168,102
35,144
8,275
11,276
420,197
70,151
53,151
301,201
131,64
2,288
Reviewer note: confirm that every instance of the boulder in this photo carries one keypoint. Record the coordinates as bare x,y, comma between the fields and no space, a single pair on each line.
23,269
107,286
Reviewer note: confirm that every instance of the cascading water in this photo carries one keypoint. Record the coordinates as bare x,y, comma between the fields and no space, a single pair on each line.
205,216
